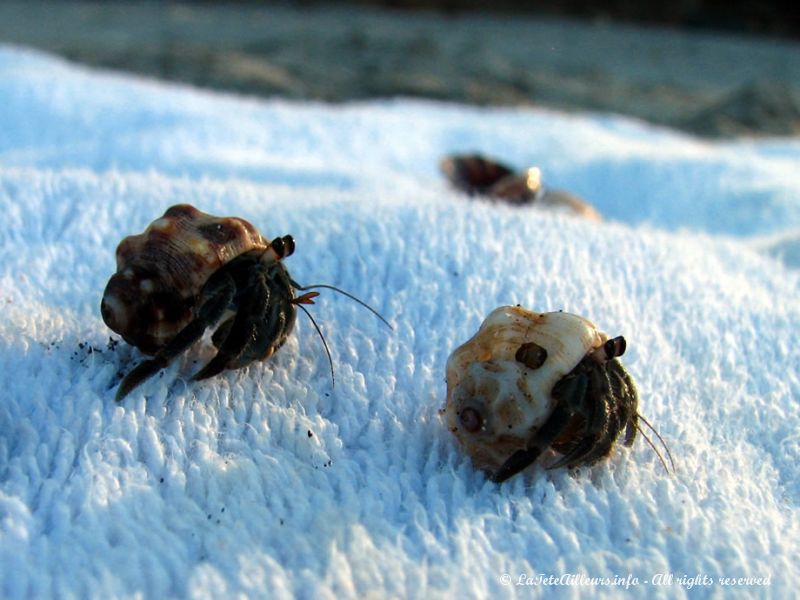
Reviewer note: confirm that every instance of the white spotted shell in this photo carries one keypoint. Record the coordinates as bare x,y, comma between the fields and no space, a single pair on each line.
507,400
161,272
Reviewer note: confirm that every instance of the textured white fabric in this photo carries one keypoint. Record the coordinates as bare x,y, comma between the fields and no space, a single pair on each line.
269,481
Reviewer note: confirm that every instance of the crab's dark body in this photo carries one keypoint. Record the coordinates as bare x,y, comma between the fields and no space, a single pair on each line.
594,404
266,313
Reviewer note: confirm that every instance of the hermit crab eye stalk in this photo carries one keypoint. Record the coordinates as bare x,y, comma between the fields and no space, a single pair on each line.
471,419
615,347
283,246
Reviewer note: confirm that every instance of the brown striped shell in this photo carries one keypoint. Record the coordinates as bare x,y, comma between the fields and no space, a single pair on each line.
161,271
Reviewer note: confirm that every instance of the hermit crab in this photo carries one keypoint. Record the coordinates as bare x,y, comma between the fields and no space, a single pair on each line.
478,175
530,382
189,271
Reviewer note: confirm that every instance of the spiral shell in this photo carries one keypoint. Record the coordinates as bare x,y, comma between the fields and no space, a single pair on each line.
161,271
477,175
499,382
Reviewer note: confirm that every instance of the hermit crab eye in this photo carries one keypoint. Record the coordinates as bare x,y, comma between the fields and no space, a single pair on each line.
531,355
284,246
288,242
471,420
615,347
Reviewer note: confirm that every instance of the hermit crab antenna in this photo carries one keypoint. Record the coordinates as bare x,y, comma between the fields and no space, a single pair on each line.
335,289
660,439
324,343
650,443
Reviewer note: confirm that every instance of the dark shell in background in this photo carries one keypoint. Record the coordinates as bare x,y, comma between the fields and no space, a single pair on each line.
478,175
473,174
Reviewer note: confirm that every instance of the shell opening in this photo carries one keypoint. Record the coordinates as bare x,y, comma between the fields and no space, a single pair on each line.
471,419
531,354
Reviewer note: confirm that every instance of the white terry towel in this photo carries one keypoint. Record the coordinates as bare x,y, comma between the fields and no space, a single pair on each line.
271,482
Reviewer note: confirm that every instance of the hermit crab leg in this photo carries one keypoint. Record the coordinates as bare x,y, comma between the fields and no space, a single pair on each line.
212,308
590,449
622,386
598,435
574,387
577,454
242,332
543,439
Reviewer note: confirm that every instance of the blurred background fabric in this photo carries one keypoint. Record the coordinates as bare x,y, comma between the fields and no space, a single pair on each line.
709,68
